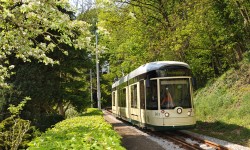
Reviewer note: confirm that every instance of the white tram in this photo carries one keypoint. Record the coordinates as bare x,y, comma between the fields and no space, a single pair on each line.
157,96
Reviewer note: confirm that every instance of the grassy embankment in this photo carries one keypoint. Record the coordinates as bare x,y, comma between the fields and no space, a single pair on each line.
89,131
223,106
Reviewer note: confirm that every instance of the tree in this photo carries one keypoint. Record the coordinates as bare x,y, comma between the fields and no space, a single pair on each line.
40,38
14,129
23,21
209,35
53,89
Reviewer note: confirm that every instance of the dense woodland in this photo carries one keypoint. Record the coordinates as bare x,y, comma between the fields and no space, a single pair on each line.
48,48
211,36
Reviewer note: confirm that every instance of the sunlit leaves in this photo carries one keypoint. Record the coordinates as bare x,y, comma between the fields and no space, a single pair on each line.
15,110
140,31
27,29
87,132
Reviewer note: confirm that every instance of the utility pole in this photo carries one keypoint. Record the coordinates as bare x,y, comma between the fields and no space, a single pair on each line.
97,74
91,88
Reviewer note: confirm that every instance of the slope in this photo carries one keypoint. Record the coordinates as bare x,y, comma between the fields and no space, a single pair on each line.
222,107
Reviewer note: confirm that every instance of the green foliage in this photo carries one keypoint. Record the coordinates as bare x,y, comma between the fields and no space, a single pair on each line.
222,130
71,112
22,22
15,110
87,132
247,56
43,56
209,35
14,131
226,101
125,39
51,88
93,112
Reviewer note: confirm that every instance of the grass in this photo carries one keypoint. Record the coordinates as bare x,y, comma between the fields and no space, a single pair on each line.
222,107
221,130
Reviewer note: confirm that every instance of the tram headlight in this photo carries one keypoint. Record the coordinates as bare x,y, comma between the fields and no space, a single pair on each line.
179,110
166,114
189,113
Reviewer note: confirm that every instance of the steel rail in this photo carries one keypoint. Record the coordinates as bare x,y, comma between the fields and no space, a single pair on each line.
207,142
177,140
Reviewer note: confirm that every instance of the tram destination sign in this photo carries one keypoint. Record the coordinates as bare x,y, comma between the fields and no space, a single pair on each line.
173,72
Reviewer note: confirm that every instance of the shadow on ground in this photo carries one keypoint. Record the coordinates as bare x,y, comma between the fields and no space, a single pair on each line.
93,112
221,130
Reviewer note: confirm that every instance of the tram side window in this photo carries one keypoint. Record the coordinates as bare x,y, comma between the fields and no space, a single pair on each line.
122,98
113,99
134,96
119,98
142,95
152,97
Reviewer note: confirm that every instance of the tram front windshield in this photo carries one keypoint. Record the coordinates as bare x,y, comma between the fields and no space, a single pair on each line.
175,93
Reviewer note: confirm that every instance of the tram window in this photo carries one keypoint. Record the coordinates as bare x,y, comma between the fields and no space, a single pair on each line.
118,98
152,98
179,89
122,98
113,99
134,96
142,94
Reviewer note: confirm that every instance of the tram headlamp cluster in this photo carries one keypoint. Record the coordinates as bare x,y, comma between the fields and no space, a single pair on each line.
190,112
166,114
179,110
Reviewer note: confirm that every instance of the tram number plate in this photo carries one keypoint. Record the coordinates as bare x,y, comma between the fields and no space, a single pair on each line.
157,114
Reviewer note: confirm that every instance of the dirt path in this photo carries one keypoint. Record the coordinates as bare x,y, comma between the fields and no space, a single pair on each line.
131,138
134,139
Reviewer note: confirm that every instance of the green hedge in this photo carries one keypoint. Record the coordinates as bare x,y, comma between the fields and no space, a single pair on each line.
90,131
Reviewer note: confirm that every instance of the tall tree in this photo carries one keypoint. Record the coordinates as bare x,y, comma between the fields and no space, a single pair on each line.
23,21
53,89
209,35
46,47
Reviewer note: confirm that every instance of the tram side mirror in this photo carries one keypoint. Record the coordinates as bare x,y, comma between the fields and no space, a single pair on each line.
194,82
147,83
115,79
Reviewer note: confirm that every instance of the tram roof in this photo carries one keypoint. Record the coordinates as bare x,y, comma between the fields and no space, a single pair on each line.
148,67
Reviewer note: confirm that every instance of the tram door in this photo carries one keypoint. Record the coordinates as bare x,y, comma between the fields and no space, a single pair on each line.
134,103
142,102
114,103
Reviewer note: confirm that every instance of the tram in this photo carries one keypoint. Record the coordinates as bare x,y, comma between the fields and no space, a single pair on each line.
157,96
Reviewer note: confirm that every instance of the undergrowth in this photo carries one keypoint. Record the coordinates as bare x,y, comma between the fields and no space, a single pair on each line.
222,107
89,131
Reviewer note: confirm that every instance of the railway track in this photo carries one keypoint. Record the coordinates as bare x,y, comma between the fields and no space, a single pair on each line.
109,111
184,140
179,141
187,141
206,142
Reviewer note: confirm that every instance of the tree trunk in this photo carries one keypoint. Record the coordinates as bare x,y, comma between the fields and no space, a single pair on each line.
60,109
239,51
244,13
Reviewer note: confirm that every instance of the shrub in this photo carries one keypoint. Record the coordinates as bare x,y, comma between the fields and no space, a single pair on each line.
14,130
87,132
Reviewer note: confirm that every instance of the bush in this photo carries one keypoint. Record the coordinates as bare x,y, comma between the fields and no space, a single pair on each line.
45,121
14,131
222,107
87,132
